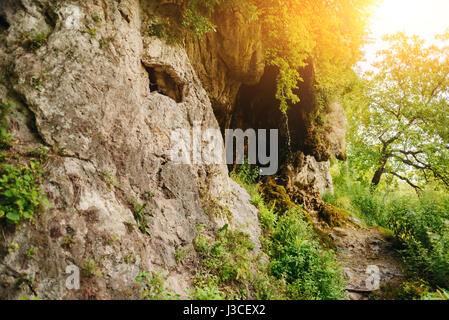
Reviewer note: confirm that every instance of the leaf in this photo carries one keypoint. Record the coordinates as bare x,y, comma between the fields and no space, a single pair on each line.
13,217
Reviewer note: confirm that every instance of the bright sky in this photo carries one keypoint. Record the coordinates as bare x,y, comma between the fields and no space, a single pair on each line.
425,18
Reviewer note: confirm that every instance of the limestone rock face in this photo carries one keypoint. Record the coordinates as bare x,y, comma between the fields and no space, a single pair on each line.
311,175
228,58
89,95
88,83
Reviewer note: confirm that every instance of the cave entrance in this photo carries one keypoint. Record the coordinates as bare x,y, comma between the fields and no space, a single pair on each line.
256,107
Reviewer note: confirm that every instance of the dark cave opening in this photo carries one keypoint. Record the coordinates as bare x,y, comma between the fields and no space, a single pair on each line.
163,82
4,25
256,107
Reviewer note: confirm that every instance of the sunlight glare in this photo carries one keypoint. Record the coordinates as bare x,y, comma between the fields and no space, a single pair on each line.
425,18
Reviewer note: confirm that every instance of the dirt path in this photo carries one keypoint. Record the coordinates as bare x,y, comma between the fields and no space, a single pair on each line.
368,258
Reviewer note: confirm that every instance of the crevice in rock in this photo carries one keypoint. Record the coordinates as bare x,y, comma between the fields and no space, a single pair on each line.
4,25
124,15
50,15
30,116
165,83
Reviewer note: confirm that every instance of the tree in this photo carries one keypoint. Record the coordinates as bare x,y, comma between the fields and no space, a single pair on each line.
330,32
399,113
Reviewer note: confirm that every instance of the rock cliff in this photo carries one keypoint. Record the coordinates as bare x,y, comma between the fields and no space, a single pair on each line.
100,98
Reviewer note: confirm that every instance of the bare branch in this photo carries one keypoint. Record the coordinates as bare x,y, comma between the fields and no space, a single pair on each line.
414,186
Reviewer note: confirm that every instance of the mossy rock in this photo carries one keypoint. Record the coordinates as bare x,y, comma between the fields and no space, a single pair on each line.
277,195
325,239
411,289
332,215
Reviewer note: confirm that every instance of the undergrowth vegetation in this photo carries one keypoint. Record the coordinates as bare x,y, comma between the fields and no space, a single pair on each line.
419,222
291,265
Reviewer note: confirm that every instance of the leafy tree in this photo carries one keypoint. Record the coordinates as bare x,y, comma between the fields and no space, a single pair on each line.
329,32
399,113
296,32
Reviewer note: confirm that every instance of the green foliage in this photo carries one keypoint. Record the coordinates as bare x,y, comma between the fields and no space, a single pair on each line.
25,298
6,139
195,20
440,294
298,267
96,18
398,114
41,153
20,194
413,289
356,196
331,33
229,256
295,33
207,287
423,228
34,40
166,30
38,79
110,179
309,271
69,242
246,173
154,286
31,253
213,207
13,247
196,16
130,258
140,214
24,279
419,223
181,254
91,31
91,268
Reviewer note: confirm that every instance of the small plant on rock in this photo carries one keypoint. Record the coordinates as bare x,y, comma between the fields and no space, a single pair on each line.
34,40
140,214
181,254
38,79
6,138
20,194
155,286
91,268
31,253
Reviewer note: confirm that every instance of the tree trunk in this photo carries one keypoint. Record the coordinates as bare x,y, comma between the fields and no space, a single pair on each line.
378,174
